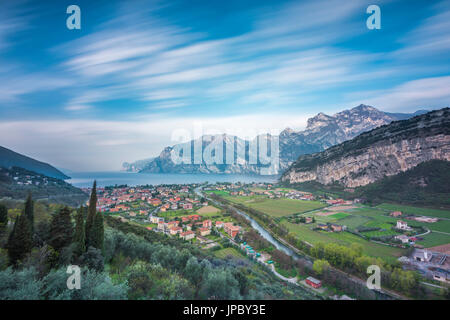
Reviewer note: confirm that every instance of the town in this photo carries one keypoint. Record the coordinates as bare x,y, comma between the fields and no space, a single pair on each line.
197,213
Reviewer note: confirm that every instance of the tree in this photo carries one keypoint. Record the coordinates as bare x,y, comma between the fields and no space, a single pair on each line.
29,211
79,237
320,266
20,285
20,240
98,232
61,229
92,211
193,271
93,259
3,215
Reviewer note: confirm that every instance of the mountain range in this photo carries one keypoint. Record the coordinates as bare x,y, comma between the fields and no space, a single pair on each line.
322,131
9,159
382,152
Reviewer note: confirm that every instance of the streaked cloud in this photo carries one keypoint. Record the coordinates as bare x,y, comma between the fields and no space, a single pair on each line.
161,66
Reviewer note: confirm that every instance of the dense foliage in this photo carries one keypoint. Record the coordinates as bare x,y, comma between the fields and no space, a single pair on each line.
131,262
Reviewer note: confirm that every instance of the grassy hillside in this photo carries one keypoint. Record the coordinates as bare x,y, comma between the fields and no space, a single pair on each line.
425,185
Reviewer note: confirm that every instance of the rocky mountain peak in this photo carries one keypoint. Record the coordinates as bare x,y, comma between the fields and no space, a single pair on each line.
322,132
320,120
287,131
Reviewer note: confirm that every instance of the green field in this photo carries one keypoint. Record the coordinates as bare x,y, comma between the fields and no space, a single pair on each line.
434,239
415,210
223,253
380,233
218,192
277,207
344,238
352,222
339,215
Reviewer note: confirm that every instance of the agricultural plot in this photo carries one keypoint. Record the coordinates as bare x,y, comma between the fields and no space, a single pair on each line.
434,239
277,207
380,233
385,252
352,221
208,211
331,218
219,192
415,210
377,218
360,217
339,215
223,253
304,233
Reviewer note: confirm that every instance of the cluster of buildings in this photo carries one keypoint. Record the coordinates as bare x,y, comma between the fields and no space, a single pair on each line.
434,265
403,226
21,178
415,218
192,225
261,189
119,199
338,201
299,195
331,227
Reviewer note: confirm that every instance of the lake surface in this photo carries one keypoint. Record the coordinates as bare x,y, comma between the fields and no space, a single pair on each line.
85,179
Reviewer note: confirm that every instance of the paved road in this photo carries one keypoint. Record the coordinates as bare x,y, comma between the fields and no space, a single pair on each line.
291,280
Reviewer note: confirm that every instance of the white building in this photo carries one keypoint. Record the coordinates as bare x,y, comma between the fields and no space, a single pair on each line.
403,238
402,225
422,255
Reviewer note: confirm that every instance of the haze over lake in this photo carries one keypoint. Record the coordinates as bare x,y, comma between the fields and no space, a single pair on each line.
85,179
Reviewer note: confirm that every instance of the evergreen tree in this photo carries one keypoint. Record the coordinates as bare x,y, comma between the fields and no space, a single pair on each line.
20,240
61,229
98,232
92,210
3,215
29,211
79,237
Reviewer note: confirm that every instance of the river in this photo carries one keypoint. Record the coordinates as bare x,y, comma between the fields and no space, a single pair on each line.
263,232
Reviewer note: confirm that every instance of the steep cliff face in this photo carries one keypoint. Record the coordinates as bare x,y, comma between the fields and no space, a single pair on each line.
384,151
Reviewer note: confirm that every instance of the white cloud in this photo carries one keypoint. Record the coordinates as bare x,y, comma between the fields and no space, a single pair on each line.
431,38
421,93
103,145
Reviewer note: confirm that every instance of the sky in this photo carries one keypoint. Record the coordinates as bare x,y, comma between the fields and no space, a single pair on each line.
138,72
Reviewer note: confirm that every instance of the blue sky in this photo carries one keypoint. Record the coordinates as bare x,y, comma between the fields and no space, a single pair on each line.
117,89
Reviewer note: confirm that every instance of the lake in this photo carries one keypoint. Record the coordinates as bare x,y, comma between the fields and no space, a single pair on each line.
85,179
